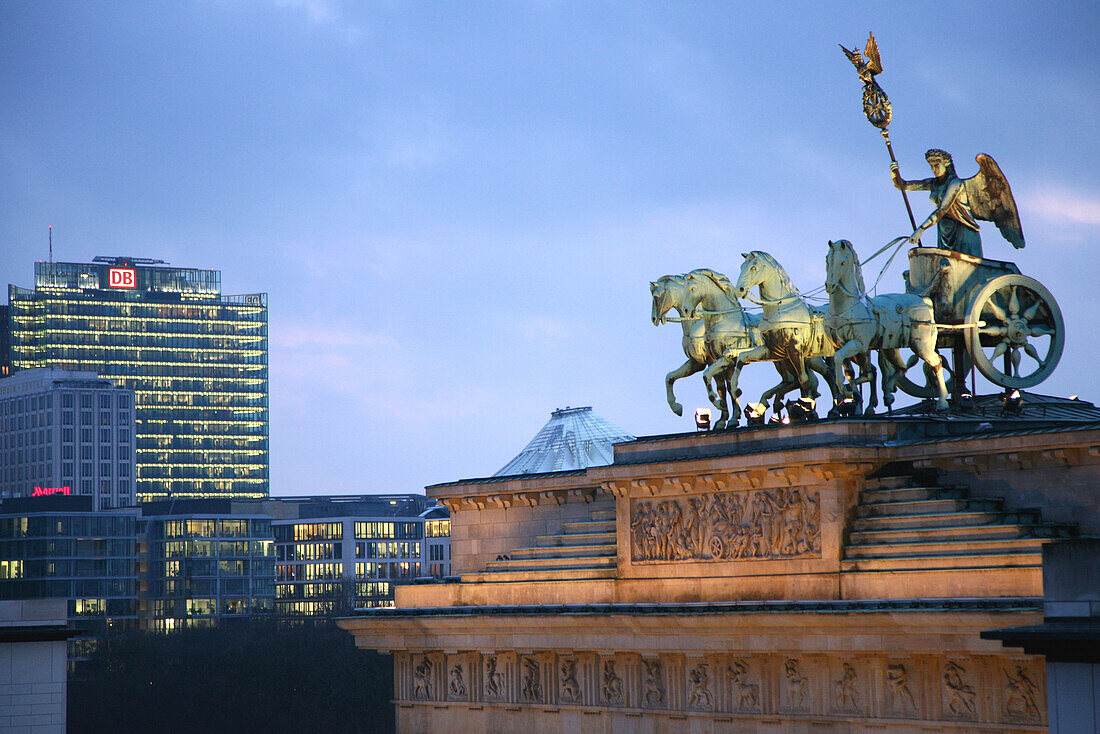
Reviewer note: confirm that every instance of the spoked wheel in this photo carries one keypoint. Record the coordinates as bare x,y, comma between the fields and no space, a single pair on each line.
1021,340
924,386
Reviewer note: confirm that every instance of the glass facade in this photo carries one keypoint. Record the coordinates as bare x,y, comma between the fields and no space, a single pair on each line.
349,552
207,570
195,359
89,558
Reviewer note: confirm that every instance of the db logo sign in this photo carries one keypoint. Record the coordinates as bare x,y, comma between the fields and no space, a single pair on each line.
121,278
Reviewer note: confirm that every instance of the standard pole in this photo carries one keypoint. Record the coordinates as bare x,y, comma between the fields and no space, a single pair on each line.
904,196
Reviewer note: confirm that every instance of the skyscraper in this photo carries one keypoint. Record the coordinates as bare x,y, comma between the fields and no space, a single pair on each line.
195,359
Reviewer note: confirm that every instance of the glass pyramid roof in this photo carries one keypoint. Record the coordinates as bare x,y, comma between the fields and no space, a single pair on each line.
573,438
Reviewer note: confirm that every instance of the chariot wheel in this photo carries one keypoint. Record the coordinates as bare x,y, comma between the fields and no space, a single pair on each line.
925,388
1021,340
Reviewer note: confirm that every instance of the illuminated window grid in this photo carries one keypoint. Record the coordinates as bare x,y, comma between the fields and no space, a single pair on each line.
194,336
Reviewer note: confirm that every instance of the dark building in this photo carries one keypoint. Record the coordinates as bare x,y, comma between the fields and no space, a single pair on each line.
66,433
165,566
58,547
195,359
5,347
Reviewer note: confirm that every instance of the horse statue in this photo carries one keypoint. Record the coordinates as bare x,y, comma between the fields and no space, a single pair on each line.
793,332
669,293
730,331
885,323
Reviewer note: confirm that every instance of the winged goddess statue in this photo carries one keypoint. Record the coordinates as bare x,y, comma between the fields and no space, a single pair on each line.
960,201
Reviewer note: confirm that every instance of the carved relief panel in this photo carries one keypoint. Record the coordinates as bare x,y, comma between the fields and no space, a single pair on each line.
653,683
960,690
612,683
530,671
570,675
1022,692
459,680
744,685
495,670
700,690
765,524
847,688
901,685
427,677
795,694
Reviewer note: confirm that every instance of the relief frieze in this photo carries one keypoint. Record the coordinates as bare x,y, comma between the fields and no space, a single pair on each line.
828,686
764,524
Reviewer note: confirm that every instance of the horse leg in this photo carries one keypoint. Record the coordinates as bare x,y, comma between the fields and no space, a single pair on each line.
685,370
869,375
891,358
851,350
735,404
780,391
926,348
723,410
756,354
826,367
714,379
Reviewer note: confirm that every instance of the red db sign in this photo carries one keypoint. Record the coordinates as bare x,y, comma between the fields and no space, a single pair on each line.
121,278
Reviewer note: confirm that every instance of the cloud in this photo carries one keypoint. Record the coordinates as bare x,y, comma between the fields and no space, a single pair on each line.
1058,204
325,13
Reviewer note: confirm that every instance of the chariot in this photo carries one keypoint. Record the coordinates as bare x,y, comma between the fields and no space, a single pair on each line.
991,317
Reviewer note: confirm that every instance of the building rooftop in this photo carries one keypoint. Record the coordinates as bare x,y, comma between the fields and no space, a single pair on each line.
573,438
1033,407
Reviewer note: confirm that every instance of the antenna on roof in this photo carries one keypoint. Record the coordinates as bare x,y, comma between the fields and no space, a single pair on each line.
51,244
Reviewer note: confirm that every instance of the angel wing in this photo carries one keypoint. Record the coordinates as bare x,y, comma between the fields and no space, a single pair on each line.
874,62
991,199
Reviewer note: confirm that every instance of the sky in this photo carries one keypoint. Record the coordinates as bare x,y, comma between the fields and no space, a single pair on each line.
456,208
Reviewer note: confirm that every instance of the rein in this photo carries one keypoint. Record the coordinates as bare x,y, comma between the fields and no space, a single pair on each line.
896,241
795,296
892,243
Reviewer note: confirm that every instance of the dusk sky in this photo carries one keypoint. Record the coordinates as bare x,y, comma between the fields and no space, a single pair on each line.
456,208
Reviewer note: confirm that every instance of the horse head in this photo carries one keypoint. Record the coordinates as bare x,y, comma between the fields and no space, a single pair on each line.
703,284
668,293
756,270
842,269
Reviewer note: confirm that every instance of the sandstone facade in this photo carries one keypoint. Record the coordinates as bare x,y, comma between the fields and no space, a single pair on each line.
827,577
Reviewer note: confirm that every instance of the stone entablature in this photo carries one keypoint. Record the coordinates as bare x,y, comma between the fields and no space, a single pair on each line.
933,516
845,665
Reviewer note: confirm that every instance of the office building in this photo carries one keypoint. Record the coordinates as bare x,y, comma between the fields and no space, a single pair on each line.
207,562
58,547
195,359
164,566
67,433
338,553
